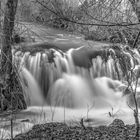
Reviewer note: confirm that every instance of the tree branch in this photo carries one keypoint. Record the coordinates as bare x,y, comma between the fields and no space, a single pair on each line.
86,24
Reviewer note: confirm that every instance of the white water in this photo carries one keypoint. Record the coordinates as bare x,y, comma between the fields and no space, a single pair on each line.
31,88
64,84
69,92
61,82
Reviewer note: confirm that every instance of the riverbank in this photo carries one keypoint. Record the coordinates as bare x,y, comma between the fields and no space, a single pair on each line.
117,130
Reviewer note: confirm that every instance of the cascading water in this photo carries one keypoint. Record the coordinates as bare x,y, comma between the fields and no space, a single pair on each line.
69,91
70,79
62,84
34,96
69,84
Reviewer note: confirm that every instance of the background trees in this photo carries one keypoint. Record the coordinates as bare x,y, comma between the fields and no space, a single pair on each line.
113,21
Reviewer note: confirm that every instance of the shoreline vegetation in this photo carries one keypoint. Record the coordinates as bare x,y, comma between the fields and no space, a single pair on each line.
117,130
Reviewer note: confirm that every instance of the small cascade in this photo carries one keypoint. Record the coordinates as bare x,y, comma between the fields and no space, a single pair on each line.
71,91
71,79
34,96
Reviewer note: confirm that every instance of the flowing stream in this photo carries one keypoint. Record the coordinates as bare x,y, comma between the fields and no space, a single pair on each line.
69,85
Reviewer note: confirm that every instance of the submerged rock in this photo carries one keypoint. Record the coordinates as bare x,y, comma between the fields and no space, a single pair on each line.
117,123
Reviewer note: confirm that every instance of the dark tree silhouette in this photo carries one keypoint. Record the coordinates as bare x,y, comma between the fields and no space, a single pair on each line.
10,87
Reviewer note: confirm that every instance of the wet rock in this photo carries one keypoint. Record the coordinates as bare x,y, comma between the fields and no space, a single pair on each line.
117,123
117,130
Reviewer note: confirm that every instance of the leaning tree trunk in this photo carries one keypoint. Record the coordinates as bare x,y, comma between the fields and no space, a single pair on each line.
10,87
136,9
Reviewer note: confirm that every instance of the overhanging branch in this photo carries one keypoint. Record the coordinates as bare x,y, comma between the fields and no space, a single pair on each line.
86,24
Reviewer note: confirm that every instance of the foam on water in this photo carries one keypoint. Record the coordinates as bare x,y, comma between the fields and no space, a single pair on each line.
71,91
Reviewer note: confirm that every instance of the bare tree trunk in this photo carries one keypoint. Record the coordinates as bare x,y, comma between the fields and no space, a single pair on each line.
0,14
136,8
9,83
6,56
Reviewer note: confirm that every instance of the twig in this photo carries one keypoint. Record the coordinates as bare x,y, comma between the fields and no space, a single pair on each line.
136,40
82,123
11,124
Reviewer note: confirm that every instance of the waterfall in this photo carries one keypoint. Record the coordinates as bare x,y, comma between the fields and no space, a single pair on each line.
71,79
34,96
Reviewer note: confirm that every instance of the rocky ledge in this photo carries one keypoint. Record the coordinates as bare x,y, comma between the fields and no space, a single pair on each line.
117,130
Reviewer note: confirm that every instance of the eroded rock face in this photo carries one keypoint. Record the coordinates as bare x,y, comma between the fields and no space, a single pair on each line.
83,56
